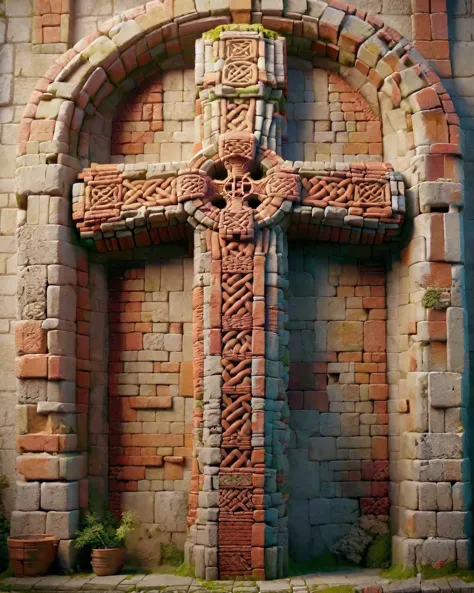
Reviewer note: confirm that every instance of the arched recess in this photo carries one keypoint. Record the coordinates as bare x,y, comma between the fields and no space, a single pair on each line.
66,127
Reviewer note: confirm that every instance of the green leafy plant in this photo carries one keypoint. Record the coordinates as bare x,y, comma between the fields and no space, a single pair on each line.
101,534
4,527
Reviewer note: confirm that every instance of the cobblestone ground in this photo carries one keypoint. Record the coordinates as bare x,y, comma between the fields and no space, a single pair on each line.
367,581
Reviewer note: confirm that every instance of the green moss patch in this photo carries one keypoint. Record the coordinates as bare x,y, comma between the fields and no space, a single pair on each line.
379,552
171,554
214,33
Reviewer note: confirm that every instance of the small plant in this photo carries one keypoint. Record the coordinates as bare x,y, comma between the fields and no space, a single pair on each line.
103,534
434,298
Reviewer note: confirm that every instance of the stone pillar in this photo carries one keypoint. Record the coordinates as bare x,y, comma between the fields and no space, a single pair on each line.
241,524
52,359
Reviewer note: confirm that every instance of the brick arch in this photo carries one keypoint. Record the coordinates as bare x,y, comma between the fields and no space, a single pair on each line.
68,111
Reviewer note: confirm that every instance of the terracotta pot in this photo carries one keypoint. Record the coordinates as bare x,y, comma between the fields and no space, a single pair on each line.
32,555
107,562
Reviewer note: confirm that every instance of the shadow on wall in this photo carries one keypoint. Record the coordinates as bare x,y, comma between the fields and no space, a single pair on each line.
338,454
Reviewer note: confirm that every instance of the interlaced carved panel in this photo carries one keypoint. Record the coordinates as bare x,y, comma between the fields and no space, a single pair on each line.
237,145
236,225
234,500
239,73
237,295
237,561
347,191
236,375
236,458
152,192
236,421
283,185
191,186
237,344
238,117
241,49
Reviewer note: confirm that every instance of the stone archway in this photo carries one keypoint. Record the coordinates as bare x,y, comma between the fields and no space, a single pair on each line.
64,122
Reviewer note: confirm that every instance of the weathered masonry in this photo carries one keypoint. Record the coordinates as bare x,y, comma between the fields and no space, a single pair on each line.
240,284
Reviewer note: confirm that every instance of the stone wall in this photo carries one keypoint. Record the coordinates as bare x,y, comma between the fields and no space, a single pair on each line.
150,399
338,392
425,348
328,120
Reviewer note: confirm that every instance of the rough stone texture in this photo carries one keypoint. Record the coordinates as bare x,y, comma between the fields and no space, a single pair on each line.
416,338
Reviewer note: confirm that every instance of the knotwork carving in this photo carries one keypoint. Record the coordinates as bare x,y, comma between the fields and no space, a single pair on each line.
237,375
236,561
236,458
236,420
191,186
241,49
237,257
283,185
238,117
237,293
100,198
239,73
236,146
348,191
236,225
234,500
151,192
237,344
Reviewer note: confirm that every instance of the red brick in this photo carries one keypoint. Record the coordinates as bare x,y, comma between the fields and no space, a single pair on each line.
374,336
379,448
32,366
30,338
421,26
378,392
439,25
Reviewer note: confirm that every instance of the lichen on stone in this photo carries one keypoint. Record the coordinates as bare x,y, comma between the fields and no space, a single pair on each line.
214,33
435,298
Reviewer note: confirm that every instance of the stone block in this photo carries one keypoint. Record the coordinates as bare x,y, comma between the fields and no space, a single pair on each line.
38,467
31,302
59,496
72,466
454,525
140,503
61,302
52,180
456,343
420,523
463,555
444,389
27,523
62,524
322,448
437,194
345,336
67,555
409,495
171,511
27,496
180,306
430,127
437,552
30,338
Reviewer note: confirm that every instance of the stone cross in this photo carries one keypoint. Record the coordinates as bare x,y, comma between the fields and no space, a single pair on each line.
242,200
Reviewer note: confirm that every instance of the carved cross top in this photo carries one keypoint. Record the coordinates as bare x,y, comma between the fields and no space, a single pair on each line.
241,197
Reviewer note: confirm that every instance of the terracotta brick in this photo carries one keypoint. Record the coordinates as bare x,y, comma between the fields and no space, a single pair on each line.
379,448
439,25
173,471
421,26
30,338
32,366
374,336
378,392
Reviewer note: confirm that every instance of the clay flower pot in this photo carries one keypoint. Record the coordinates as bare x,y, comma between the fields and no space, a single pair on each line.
107,562
32,555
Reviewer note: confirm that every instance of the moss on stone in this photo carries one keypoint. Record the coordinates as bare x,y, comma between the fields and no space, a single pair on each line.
397,572
184,570
171,554
379,553
214,33
432,299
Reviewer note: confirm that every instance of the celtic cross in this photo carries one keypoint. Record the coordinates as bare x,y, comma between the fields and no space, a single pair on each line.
243,200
